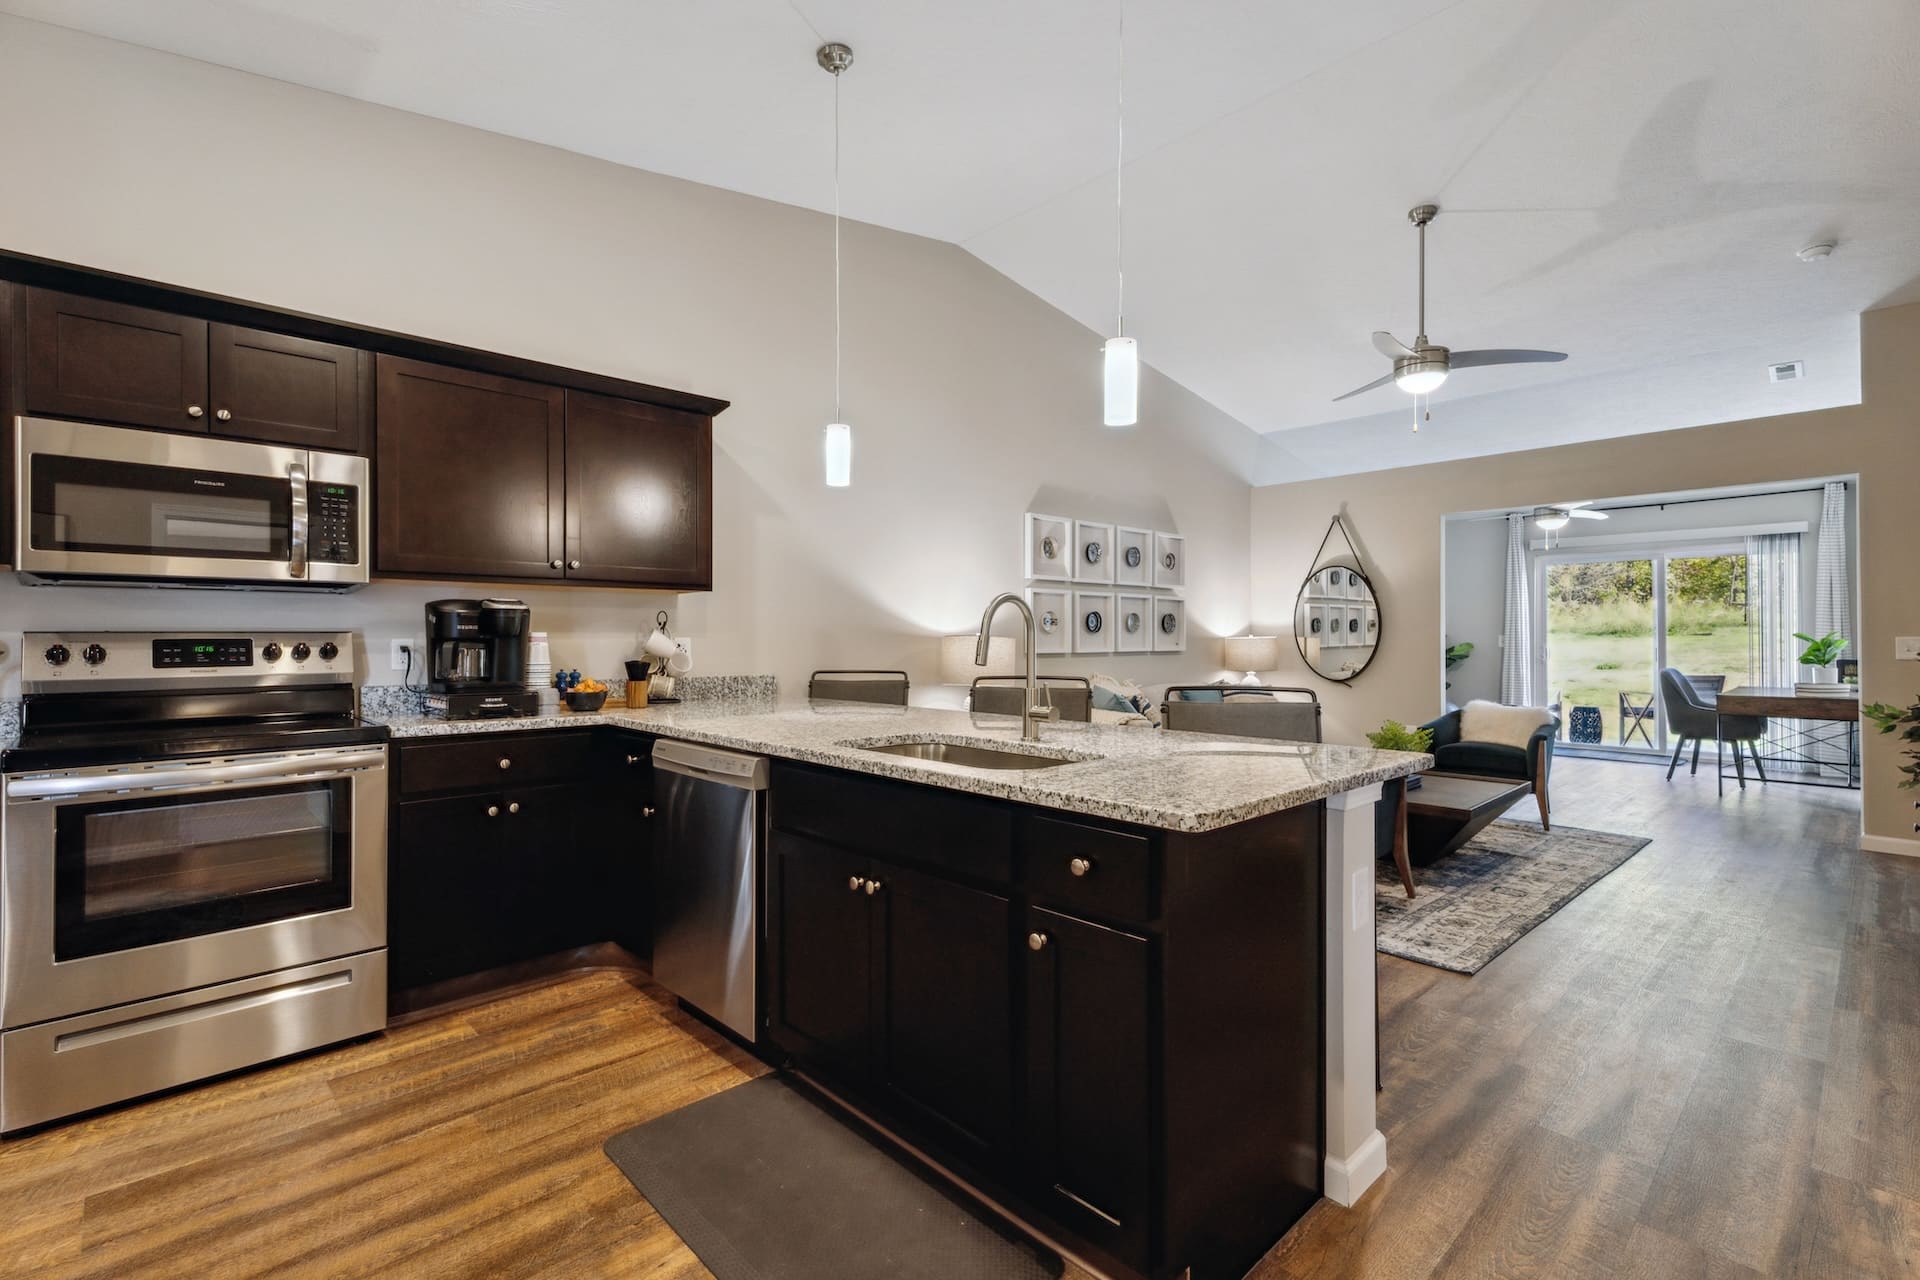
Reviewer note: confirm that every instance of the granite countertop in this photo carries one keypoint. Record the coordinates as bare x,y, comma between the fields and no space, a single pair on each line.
1152,777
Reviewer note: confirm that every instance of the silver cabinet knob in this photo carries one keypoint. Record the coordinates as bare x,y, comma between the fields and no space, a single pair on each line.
646,811
854,883
555,564
873,887
506,762
573,564
493,811
633,759
514,807
194,411
225,415
1037,941
1080,866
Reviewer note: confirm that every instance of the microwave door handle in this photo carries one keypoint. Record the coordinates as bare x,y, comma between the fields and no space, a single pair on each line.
297,534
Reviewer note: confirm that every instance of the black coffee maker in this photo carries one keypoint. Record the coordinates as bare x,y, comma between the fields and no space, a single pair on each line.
477,659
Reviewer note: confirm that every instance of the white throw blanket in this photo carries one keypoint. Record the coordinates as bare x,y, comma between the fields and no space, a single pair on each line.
1482,721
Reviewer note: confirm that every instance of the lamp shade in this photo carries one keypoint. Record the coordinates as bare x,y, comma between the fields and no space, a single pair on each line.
956,658
1251,653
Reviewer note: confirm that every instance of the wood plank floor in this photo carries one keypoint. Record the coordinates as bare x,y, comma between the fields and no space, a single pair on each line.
1708,1065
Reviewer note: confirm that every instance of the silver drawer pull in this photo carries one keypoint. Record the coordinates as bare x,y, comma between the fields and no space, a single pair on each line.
506,762
1037,941
493,811
514,807
1080,866
854,883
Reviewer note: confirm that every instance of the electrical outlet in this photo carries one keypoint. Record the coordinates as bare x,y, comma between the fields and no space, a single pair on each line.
685,646
1906,648
399,658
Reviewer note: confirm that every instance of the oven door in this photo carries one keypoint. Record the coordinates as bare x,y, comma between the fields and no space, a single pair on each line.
115,503
128,882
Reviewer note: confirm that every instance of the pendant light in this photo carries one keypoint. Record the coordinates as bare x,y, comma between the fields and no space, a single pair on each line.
1122,373
837,443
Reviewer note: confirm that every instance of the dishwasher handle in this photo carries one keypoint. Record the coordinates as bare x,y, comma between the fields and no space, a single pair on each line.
711,764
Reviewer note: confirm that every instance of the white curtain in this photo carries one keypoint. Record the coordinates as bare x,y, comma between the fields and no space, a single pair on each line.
1773,615
1516,657
1832,602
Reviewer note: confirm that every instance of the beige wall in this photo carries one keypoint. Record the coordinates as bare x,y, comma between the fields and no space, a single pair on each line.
971,399
1396,520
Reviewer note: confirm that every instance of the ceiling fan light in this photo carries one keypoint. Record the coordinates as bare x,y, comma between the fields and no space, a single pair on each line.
1418,382
1552,520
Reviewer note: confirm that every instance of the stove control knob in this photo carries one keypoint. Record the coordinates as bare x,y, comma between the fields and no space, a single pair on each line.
300,651
270,651
94,654
57,655
329,651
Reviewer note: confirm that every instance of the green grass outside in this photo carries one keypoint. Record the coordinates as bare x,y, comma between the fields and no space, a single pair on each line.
1596,651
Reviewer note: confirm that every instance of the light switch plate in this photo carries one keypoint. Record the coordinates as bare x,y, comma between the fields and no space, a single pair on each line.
1907,648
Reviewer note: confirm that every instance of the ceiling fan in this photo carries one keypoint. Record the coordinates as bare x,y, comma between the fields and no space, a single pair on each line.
1557,516
1422,367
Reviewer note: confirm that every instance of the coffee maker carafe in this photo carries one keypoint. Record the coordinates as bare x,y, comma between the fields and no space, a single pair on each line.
477,658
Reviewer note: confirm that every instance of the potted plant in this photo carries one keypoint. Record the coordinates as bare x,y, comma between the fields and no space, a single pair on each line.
1892,718
1394,736
1821,655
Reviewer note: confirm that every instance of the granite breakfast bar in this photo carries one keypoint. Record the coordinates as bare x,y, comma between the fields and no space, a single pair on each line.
1199,792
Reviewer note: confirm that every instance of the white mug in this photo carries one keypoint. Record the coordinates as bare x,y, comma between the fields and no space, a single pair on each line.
680,663
659,645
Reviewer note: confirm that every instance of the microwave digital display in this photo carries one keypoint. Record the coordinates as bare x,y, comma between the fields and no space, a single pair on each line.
202,653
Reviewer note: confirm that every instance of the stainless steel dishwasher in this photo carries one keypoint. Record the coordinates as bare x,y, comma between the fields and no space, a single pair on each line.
706,871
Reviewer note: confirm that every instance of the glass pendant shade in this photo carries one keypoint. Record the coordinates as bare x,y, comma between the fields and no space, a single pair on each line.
1122,382
838,453
1420,381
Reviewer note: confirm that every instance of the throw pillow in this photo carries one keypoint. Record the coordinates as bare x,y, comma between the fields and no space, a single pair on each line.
1483,721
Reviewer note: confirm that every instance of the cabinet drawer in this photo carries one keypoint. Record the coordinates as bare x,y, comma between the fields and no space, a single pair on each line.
896,820
494,760
1115,872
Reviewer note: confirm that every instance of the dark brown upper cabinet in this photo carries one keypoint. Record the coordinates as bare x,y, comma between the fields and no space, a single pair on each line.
112,362
639,493
484,477
468,473
288,390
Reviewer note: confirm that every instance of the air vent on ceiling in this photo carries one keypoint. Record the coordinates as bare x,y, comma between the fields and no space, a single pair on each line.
1791,371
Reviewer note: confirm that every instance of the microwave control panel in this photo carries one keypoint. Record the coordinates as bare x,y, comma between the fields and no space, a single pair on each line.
333,523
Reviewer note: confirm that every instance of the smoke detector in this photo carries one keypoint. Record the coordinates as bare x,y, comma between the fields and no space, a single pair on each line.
1791,371
1817,251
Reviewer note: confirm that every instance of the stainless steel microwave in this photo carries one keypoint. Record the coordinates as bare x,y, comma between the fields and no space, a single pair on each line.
112,504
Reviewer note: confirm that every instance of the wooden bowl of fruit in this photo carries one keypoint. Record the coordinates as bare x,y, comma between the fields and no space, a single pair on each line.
588,695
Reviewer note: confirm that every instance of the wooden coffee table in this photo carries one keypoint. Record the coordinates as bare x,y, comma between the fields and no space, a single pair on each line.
1446,811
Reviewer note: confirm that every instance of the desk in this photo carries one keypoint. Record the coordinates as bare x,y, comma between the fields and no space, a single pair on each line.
1784,703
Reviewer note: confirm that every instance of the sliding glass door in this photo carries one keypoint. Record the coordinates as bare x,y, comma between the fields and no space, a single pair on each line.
1609,623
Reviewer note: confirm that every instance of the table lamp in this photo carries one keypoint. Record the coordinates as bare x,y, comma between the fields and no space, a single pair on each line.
1251,654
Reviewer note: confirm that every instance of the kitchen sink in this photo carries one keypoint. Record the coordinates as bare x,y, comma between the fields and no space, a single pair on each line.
973,757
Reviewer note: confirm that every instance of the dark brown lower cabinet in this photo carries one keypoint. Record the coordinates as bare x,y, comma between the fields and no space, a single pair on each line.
1114,1031
1088,1063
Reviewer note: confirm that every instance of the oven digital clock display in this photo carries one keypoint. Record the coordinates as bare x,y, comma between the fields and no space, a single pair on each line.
202,653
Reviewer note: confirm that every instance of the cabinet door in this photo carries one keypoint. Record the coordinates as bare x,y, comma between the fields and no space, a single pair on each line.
447,903
1089,1074
625,837
470,478
549,881
821,986
945,1013
639,493
269,386
109,362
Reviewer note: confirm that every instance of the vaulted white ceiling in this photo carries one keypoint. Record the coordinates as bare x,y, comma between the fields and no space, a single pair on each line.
1625,181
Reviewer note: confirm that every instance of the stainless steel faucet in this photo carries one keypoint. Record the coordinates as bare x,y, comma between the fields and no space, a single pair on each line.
1033,713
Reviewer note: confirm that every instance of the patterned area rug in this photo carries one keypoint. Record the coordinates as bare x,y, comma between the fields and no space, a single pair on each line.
1480,900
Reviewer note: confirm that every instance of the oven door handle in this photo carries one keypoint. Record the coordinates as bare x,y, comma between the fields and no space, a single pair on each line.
203,778
297,513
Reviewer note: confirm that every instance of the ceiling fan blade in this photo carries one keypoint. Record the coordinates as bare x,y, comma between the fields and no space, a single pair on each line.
1389,346
1381,381
1580,514
1504,355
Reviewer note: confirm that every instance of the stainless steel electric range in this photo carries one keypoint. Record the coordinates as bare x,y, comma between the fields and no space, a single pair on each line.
192,863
